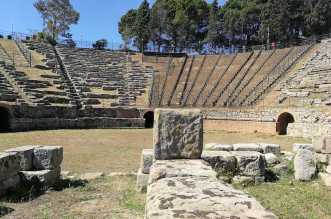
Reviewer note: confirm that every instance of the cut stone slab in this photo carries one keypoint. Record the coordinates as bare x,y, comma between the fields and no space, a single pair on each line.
142,181
296,147
325,179
270,148
222,161
322,158
248,147
9,165
91,176
218,147
304,165
250,163
26,155
178,134
146,161
200,197
180,168
271,159
44,177
47,157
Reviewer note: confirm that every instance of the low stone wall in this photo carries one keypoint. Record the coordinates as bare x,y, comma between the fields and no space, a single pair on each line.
38,166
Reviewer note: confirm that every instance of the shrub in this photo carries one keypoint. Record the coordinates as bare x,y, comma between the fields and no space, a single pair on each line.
10,37
1,36
100,44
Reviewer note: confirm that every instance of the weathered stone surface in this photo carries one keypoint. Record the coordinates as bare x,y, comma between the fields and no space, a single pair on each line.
296,147
281,169
271,159
270,148
322,144
91,176
250,163
200,197
325,179
178,134
142,181
10,183
218,147
222,161
328,168
180,168
146,161
47,157
304,165
26,155
287,155
322,158
9,165
248,147
44,177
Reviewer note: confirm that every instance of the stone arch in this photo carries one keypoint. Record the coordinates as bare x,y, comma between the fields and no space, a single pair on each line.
149,119
4,119
282,123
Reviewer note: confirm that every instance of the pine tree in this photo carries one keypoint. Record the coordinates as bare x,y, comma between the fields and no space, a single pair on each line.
142,30
214,28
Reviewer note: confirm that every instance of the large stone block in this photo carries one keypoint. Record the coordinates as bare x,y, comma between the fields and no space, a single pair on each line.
9,165
250,163
142,181
146,161
26,155
180,168
304,165
299,146
222,161
11,182
248,147
218,147
178,134
200,197
270,148
46,178
47,157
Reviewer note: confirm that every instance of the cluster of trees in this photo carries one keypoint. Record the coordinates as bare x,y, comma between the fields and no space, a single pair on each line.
196,24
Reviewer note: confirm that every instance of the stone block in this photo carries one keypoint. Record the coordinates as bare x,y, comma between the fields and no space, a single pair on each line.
142,181
325,179
218,147
250,163
248,147
222,161
297,147
270,148
180,168
46,178
322,144
10,183
47,157
194,197
304,165
146,161
281,169
178,134
271,159
26,155
322,158
9,165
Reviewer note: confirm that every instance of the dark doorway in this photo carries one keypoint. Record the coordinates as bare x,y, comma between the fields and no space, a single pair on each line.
4,120
149,119
282,123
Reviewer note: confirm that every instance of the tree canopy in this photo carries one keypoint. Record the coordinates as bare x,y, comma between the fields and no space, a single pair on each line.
57,15
196,24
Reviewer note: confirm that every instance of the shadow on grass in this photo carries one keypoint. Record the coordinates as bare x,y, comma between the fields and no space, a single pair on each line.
5,210
30,190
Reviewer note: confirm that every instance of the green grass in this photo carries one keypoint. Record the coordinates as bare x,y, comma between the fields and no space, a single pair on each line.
291,199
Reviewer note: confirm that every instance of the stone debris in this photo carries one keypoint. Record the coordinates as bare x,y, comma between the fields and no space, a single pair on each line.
178,134
146,162
304,165
322,144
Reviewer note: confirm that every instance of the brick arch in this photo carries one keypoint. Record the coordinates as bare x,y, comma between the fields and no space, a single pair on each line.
282,122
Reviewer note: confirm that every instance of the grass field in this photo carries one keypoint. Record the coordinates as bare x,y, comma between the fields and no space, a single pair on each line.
118,150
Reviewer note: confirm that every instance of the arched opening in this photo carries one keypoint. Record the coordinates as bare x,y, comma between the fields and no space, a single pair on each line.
4,120
282,123
149,119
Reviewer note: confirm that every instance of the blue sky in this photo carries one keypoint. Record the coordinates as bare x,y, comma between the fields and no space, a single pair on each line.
97,20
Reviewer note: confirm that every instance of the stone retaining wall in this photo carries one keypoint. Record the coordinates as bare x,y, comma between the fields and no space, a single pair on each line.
38,166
